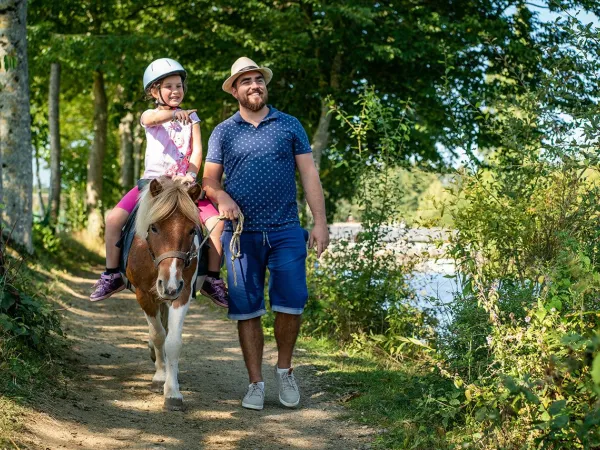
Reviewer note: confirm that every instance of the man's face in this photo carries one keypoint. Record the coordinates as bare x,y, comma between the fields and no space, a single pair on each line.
250,90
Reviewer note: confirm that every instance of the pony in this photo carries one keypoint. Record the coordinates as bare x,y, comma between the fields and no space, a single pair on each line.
162,266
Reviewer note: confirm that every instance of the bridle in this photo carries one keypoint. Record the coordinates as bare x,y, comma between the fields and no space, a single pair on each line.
187,257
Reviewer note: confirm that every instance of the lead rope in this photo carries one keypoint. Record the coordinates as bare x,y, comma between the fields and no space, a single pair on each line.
234,245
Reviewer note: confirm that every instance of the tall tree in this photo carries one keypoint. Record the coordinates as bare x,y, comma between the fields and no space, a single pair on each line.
96,158
54,128
126,137
138,142
15,123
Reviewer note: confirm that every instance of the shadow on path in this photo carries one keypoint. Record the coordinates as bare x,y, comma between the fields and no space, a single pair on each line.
110,406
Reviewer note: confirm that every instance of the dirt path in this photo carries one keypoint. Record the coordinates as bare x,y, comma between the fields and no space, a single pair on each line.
111,407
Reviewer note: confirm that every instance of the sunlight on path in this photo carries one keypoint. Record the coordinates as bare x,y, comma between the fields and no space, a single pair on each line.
109,406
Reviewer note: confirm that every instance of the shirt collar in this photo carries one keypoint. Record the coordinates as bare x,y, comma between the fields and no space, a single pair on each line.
271,115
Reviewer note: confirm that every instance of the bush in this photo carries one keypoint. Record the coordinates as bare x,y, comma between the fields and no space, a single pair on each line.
359,291
30,331
523,344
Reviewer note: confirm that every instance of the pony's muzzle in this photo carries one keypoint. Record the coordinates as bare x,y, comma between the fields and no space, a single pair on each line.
169,290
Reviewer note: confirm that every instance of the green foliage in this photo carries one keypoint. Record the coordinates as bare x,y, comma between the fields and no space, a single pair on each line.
30,333
45,238
524,339
359,292
26,321
317,49
422,194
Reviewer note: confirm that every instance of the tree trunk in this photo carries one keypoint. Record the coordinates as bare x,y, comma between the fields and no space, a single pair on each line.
16,173
54,126
138,141
321,136
38,179
96,158
125,133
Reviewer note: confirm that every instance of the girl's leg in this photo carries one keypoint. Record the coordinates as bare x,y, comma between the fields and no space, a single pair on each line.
213,287
115,221
110,281
215,252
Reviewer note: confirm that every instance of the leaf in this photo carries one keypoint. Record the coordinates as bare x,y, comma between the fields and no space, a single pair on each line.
557,407
596,369
560,421
6,300
510,384
468,394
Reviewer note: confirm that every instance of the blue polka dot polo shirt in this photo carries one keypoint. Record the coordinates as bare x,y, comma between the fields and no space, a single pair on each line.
260,168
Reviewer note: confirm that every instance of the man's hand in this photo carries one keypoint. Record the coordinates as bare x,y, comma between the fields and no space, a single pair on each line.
319,238
227,207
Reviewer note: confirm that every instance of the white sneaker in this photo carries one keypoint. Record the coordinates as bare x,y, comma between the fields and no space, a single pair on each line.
254,398
289,395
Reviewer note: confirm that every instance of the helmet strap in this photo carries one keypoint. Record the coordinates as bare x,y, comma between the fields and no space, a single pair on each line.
161,101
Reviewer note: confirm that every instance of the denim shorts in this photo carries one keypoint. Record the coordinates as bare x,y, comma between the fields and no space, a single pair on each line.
284,254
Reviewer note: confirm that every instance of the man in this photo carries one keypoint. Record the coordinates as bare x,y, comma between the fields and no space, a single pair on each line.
259,149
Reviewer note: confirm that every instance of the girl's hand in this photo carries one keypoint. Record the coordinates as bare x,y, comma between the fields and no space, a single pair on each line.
184,179
183,115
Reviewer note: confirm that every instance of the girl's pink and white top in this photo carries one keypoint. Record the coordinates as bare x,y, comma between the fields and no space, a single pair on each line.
168,148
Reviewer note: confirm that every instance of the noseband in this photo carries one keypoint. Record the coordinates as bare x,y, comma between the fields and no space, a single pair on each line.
186,257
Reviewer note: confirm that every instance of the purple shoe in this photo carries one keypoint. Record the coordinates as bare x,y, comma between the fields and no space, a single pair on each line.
215,289
106,286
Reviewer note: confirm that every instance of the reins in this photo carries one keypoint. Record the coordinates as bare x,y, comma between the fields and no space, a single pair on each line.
234,247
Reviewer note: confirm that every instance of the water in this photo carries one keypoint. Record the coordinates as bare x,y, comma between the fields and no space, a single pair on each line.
435,284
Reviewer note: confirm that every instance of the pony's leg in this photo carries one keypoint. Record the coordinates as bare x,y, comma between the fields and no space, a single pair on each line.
157,336
173,398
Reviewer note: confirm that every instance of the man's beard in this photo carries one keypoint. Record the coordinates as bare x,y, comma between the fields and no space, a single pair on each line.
246,103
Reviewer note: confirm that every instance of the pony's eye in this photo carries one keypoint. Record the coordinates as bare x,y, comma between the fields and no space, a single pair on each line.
153,228
192,232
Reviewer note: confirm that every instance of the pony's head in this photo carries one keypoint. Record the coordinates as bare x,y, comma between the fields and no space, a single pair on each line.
168,220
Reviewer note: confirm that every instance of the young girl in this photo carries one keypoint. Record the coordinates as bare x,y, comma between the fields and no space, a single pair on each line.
174,149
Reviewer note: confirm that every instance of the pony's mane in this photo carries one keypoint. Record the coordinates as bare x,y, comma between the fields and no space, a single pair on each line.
174,196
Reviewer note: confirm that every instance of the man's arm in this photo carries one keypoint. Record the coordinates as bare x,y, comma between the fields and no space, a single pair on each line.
211,183
311,184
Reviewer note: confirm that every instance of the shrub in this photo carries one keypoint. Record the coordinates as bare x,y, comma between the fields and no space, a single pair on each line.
359,290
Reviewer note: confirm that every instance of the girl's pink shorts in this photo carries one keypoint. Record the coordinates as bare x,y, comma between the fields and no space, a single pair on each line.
206,208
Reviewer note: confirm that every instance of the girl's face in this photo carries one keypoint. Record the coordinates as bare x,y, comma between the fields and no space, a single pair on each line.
171,91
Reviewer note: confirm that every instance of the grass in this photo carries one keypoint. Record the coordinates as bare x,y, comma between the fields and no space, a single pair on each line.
11,417
29,374
399,399
393,399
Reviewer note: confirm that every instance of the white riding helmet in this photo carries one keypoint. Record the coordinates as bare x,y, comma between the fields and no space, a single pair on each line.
162,68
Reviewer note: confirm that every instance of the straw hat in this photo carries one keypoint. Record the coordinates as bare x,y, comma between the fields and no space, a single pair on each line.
240,67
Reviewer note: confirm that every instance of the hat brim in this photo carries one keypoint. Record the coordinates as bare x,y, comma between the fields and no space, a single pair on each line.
228,84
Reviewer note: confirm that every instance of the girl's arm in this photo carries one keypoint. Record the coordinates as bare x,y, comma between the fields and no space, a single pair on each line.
155,117
196,156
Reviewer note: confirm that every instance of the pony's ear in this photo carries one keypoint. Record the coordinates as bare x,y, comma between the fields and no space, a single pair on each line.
155,187
194,191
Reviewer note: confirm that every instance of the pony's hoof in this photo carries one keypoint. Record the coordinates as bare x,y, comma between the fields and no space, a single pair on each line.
157,386
173,404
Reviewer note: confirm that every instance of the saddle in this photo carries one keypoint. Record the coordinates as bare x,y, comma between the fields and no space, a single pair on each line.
127,235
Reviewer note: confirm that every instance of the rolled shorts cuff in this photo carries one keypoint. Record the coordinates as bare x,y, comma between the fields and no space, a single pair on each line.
260,312
285,310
